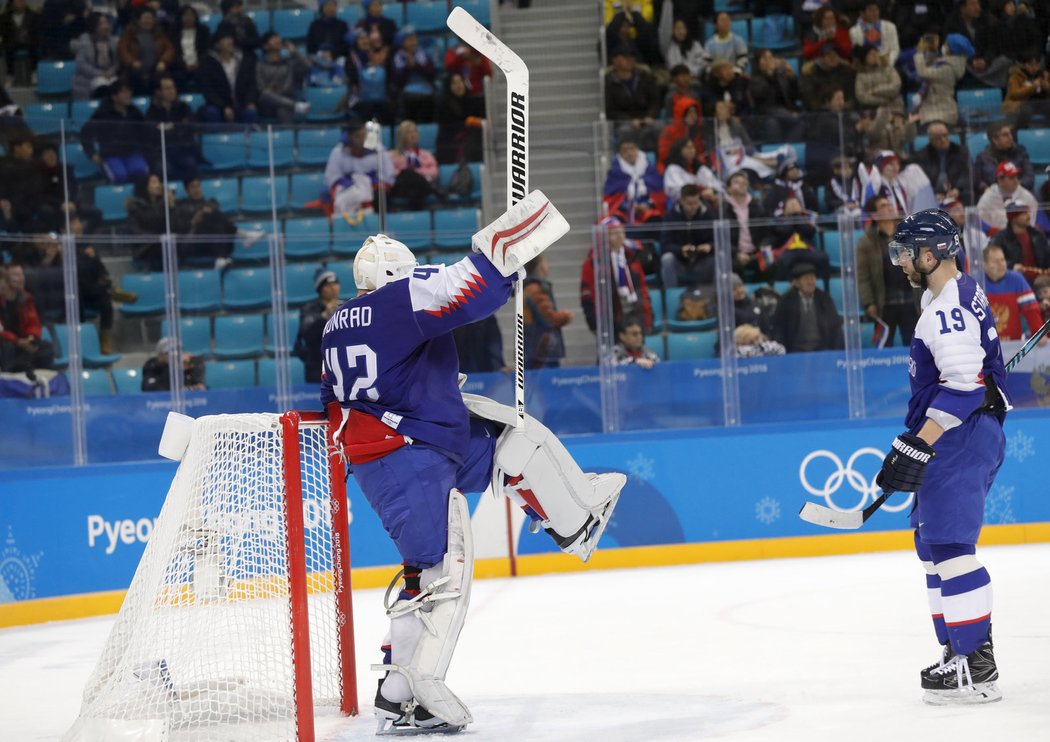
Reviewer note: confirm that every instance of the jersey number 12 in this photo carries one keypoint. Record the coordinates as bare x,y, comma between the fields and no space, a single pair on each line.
366,372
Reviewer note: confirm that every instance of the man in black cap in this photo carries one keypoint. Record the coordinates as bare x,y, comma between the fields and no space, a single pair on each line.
312,319
806,318
632,98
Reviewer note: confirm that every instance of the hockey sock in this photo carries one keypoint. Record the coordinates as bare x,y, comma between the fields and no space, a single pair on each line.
966,595
933,590
518,491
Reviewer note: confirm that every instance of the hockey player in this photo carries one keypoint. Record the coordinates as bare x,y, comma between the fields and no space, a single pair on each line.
390,372
951,452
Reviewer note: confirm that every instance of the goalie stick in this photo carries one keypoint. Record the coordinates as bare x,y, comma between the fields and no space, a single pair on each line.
820,515
464,25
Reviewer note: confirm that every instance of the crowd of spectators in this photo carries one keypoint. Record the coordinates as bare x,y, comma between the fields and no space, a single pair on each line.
825,108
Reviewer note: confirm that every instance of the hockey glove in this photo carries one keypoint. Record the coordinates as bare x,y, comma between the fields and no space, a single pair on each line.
904,467
523,232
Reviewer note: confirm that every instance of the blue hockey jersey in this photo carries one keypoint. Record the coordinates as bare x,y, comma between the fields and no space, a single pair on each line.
390,352
955,349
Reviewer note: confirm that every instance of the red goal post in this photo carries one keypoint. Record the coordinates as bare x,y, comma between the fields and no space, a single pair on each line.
239,621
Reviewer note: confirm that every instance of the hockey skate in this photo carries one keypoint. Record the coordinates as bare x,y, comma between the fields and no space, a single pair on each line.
963,679
925,674
607,489
407,717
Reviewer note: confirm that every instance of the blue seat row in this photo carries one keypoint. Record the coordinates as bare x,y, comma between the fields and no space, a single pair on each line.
217,375
232,336
239,288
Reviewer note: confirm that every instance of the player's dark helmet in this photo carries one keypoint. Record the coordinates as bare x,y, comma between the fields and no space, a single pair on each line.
932,230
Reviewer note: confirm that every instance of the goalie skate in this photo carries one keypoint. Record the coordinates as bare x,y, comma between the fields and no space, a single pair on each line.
407,718
585,541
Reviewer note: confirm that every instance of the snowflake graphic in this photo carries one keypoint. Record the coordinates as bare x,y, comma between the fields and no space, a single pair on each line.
642,467
767,510
998,506
1020,446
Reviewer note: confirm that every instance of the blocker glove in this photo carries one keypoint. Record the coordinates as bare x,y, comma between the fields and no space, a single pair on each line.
904,467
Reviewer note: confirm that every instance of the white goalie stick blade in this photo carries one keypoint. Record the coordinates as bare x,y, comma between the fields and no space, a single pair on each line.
466,27
819,515
523,232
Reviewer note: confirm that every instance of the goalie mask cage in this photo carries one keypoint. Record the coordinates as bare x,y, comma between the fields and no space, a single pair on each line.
238,621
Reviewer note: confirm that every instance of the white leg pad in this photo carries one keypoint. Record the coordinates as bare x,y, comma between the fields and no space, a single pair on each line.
425,629
574,506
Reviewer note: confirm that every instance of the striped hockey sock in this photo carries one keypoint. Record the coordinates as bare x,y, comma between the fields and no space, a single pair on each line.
966,595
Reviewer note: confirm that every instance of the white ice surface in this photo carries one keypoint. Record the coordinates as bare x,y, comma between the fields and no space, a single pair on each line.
794,649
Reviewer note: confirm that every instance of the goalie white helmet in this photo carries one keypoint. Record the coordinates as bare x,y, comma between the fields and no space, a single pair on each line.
381,260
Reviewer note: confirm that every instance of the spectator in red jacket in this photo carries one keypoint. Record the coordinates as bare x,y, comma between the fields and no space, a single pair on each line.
826,31
686,123
1009,296
22,349
629,294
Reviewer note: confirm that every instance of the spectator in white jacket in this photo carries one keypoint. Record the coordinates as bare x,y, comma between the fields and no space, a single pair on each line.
871,30
684,49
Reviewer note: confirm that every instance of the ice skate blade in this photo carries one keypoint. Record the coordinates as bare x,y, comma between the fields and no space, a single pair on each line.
615,482
980,693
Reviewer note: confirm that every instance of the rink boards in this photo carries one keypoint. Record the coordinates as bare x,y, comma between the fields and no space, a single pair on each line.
73,537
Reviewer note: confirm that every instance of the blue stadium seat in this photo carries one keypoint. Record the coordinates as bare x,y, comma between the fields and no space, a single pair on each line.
283,149
193,100
793,62
833,247
347,238
211,20
246,288
199,291
445,173
238,335
80,111
324,103
410,227
980,104
263,21
306,187
55,78
268,371
299,283
96,383
655,343
315,145
46,118
223,190
109,199
835,289
292,24
141,102
350,13
395,12
922,140
454,227
229,374
427,16
477,8
256,193
976,142
345,271
227,151
427,136
90,352
260,251
291,327
306,238
150,288
1037,142
127,380
195,333
689,346
83,168
774,31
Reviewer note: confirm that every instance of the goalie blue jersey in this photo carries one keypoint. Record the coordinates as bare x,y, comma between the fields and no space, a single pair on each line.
954,352
390,352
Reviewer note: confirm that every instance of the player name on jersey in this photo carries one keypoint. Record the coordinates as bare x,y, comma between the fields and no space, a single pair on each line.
349,317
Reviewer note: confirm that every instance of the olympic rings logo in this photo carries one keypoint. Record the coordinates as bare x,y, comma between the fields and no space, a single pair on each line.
848,474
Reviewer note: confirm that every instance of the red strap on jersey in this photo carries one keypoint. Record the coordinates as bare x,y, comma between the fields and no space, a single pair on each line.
366,438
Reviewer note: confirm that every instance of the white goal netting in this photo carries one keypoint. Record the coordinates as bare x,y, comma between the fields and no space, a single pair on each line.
203,646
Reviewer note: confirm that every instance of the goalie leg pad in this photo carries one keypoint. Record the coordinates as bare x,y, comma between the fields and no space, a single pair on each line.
532,466
425,628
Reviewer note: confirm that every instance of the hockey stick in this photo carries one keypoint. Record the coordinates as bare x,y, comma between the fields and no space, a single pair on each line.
820,515
484,41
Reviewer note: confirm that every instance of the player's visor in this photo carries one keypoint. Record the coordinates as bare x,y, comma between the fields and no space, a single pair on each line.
899,250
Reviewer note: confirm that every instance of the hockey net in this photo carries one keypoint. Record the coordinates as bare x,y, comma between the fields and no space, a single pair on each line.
238,620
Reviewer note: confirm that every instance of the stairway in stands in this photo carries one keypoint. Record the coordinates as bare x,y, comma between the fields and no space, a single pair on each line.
558,40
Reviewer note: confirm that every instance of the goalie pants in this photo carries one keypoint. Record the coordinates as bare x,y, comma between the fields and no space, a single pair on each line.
408,489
